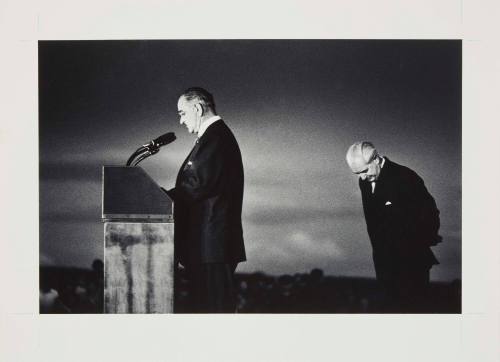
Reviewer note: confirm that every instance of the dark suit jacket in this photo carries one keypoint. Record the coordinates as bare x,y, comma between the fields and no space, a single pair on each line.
402,220
208,198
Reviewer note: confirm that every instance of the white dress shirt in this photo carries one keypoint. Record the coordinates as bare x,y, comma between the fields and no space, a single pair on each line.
374,182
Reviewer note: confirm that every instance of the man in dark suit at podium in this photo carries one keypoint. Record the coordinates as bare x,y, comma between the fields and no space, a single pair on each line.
403,223
208,199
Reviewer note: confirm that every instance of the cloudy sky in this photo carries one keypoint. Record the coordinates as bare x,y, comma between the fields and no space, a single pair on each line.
294,106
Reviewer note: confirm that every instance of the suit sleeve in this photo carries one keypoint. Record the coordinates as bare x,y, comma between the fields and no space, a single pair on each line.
200,177
423,225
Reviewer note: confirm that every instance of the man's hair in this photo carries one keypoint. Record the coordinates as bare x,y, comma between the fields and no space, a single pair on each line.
205,98
361,153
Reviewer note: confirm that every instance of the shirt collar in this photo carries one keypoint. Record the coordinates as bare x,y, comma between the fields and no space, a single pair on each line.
373,183
205,124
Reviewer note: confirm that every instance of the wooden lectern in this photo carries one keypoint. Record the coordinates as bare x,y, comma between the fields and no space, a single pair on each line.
138,243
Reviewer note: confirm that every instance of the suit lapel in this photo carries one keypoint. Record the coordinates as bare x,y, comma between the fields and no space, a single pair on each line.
383,184
201,140
186,161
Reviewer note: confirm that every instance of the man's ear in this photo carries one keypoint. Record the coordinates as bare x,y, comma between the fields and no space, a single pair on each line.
199,109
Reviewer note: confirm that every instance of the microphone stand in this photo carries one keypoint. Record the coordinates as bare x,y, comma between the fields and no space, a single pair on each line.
150,148
142,153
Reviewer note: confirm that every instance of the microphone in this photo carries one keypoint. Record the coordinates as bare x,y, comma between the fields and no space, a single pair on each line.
151,148
163,140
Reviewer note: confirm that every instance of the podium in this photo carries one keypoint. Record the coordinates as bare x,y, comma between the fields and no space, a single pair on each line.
138,243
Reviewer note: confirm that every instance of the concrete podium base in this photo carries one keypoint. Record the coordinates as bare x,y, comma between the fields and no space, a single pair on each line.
139,267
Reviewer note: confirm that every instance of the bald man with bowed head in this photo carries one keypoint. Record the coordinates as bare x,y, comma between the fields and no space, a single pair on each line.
208,197
403,222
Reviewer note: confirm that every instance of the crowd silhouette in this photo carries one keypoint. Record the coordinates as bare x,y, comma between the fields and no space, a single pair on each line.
72,290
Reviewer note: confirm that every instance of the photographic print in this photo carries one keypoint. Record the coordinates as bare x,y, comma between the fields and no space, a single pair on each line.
305,176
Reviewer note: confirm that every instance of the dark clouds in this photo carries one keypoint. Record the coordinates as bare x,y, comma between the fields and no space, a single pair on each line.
294,215
295,106
70,171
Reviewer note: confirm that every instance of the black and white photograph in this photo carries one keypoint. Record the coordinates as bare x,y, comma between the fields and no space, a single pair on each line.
302,176
280,180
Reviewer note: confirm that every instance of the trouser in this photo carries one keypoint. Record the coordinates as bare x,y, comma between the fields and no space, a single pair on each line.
211,288
406,290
